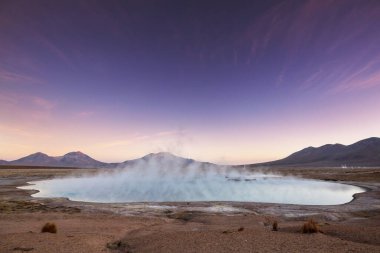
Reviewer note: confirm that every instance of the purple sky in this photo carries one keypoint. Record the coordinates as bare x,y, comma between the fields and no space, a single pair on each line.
222,81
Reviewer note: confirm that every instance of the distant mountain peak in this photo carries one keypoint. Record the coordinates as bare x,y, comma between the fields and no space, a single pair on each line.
78,158
38,154
37,159
372,140
161,154
362,153
166,156
76,153
165,160
71,159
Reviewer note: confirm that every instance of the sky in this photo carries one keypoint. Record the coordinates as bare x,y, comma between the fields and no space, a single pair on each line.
229,82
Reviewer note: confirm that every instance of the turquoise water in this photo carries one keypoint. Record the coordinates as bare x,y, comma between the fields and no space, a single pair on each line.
127,187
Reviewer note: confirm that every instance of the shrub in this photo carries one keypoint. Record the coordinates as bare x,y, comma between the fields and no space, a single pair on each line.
118,245
310,227
275,226
49,228
184,216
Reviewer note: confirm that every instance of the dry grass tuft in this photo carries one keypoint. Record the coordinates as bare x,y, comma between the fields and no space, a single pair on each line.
49,228
22,249
119,246
184,216
275,226
310,227
229,231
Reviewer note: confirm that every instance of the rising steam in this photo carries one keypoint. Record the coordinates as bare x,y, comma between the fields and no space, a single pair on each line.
166,178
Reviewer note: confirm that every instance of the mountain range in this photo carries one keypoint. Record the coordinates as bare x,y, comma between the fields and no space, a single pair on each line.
362,153
81,160
72,159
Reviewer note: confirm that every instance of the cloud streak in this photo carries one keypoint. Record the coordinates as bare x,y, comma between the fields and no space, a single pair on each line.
240,76
9,77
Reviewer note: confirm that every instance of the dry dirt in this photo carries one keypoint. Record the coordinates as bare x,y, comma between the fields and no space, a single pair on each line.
187,227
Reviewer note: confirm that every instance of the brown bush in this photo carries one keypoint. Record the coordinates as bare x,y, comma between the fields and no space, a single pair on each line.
49,228
275,226
310,227
118,245
184,216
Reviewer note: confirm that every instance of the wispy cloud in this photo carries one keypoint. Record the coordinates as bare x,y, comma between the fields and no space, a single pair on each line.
358,81
138,138
116,143
7,76
43,103
7,99
166,133
84,114
17,130
315,37
24,106
53,48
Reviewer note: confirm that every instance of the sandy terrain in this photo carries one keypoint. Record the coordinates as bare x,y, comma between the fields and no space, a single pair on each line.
187,227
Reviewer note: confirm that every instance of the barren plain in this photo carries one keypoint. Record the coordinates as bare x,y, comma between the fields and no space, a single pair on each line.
187,227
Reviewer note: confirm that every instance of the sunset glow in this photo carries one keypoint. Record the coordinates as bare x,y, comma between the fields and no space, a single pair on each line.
120,79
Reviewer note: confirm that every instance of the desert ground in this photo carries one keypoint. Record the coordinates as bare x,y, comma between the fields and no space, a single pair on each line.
187,227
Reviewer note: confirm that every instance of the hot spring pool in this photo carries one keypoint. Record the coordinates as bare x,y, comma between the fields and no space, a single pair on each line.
126,187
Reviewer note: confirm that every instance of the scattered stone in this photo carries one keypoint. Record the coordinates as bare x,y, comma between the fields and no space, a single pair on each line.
23,249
